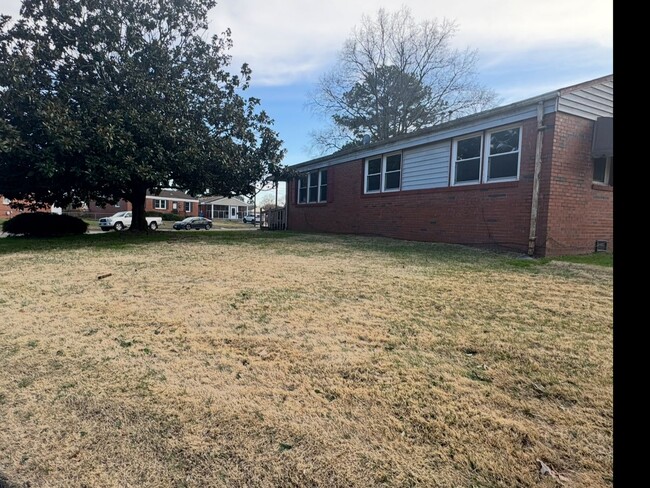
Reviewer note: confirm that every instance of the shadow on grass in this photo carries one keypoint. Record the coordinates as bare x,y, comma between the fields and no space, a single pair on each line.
127,239
5,483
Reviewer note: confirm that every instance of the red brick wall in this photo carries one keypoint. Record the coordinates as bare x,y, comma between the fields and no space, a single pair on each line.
572,214
579,212
149,207
108,210
495,214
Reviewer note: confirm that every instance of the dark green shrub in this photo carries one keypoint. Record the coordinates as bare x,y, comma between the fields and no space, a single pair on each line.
44,224
165,216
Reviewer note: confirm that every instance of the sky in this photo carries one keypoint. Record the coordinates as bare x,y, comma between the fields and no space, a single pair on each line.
526,48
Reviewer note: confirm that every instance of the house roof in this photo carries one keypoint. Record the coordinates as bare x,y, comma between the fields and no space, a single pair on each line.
219,200
173,194
424,136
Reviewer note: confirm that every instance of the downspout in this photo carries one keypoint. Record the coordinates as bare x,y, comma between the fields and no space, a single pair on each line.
532,236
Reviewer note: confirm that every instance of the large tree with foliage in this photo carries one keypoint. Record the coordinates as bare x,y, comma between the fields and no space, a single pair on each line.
395,76
109,99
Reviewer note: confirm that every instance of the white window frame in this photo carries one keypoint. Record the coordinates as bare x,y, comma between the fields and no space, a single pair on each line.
486,155
608,169
382,172
319,186
454,154
160,204
188,206
365,174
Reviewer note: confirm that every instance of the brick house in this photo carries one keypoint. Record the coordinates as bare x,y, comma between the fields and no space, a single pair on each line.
169,201
534,176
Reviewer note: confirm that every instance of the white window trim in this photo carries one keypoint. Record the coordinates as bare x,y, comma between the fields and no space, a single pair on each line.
608,168
187,204
365,174
382,173
160,200
454,153
308,187
486,155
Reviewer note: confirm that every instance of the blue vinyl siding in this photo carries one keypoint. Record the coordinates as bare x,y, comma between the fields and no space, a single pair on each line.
426,167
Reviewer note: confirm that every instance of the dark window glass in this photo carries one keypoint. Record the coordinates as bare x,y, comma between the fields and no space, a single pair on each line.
468,148
373,183
393,163
374,166
467,170
504,166
313,187
392,180
322,197
600,167
302,189
504,141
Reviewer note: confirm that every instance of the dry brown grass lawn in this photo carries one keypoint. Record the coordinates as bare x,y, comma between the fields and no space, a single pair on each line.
301,361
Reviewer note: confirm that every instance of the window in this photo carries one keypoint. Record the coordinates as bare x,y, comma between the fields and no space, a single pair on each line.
322,192
373,175
604,171
392,172
502,149
6,201
383,173
160,204
312,187
188,206
466,156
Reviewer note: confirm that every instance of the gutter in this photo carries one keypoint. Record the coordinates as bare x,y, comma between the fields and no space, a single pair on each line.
532,235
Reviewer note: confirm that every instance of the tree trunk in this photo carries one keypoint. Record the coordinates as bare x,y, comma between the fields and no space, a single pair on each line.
139,221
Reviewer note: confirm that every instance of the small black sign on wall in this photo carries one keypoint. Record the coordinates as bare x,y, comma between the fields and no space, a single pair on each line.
601,246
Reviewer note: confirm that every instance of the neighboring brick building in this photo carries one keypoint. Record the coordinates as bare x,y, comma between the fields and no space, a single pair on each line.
169,201
472,180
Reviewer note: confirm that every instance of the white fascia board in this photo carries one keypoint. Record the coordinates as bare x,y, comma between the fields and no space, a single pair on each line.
460,128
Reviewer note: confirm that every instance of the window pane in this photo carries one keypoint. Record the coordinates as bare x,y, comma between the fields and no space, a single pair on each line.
323,194
323,177
600,164
373,183
504,141
394,162
467,170
313,179
313,194
504,166
302,195
468,148
392,180
374,166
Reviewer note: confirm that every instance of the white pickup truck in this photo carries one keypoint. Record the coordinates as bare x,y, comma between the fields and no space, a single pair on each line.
122,220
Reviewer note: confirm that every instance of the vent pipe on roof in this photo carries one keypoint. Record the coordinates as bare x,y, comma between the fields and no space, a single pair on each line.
532,236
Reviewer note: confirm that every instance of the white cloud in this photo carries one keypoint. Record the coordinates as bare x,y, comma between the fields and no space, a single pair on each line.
292,39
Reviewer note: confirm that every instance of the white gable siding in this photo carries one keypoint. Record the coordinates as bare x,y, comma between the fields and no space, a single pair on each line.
590,102
426,167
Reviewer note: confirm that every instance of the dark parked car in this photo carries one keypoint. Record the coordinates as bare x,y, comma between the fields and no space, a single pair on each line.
193,223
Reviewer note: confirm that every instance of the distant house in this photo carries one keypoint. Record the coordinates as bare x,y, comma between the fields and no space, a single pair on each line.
534,176
168,201
232,208
6,212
